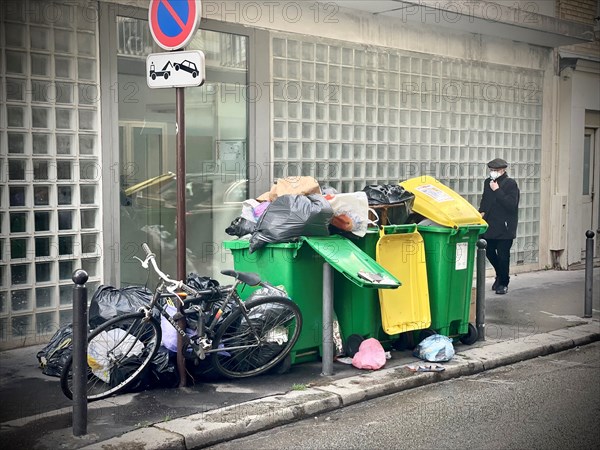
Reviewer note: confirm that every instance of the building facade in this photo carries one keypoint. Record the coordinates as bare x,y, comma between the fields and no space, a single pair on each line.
350,92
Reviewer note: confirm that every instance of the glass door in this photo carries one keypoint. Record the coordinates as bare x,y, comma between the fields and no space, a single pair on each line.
216,152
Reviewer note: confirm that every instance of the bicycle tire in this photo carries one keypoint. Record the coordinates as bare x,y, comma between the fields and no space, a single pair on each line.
278,322
136,345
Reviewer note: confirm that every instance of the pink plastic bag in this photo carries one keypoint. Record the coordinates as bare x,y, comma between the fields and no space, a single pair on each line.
370,355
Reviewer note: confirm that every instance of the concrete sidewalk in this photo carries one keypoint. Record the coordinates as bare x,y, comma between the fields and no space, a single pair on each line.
541,314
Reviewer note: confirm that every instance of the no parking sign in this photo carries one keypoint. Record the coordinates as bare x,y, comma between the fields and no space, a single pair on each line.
173,22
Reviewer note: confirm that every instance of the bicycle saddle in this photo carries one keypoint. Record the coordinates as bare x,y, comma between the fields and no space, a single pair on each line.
251,279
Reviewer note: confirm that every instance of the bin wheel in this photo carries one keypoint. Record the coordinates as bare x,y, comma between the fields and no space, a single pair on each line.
284,366
471,337
426,333
353,343
404,342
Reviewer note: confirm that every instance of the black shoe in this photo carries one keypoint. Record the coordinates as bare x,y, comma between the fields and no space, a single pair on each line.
495,285
502,289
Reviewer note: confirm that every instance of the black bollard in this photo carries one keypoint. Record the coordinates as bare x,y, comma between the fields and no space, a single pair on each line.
80,333
480,298
589,271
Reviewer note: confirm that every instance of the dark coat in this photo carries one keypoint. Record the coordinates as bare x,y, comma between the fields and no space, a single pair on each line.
501,208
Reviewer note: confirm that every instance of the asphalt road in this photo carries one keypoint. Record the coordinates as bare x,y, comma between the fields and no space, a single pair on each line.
549,402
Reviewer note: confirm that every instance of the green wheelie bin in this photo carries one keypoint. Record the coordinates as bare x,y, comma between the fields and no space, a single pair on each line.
386,314
450,247
298,267
450,257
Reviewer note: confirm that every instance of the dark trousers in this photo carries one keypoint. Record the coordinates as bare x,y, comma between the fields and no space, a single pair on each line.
498,254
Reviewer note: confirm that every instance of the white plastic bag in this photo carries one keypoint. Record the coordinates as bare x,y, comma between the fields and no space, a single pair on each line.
101,345
350,211
248,209
435,348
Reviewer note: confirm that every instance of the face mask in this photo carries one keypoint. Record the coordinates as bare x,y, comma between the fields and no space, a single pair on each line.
494,174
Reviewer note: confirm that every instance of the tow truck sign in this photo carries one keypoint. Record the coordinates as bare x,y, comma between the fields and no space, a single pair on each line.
175,69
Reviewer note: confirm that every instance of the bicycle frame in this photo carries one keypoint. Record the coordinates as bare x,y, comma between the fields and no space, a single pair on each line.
202,341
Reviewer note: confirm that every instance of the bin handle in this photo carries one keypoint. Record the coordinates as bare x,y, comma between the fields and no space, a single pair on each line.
392,229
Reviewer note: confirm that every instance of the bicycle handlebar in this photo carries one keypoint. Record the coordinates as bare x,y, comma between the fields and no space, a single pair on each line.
248,278
151,257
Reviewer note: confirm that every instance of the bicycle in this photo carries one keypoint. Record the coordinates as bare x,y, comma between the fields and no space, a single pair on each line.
243,338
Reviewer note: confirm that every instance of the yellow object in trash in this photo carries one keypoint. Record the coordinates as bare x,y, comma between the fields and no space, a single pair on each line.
439,203
401,251
93,364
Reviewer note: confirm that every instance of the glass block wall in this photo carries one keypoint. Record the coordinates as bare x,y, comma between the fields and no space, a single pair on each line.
353,115
49,164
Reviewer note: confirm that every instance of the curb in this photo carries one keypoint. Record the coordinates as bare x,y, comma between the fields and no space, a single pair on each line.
232,422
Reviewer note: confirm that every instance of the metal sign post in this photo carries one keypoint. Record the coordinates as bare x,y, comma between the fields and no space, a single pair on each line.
181,228
180,175
173,24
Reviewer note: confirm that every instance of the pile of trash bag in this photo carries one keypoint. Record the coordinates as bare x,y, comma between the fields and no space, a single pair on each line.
297,206
108,302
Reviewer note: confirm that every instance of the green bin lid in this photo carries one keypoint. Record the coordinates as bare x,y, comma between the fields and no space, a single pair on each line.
345,257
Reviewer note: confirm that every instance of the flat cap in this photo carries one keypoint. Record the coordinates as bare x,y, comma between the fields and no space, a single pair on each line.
497,163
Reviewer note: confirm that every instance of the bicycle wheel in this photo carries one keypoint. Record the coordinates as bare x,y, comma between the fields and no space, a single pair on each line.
277,322
118,351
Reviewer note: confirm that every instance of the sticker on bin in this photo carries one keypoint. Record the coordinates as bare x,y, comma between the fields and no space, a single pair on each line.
374,277
435,193
462,253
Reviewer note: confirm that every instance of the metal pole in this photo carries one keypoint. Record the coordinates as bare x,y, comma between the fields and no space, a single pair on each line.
589,271
180,157
181,228
80,333
327,320
480,294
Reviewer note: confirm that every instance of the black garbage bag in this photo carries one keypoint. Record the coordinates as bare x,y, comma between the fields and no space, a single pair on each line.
161,372
240,227
195,281
201,283
292,216
54,355
108,302
394,195
387,194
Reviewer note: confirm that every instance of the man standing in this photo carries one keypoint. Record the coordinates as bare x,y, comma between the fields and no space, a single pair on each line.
500,208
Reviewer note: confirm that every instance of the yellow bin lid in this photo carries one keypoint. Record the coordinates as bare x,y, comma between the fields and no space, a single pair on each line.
439,203
402,253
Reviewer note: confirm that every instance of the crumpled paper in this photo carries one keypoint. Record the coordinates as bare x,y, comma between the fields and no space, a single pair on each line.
426,367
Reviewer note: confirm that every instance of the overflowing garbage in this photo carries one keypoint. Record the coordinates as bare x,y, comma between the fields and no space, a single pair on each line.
418,232
297,206
417,235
